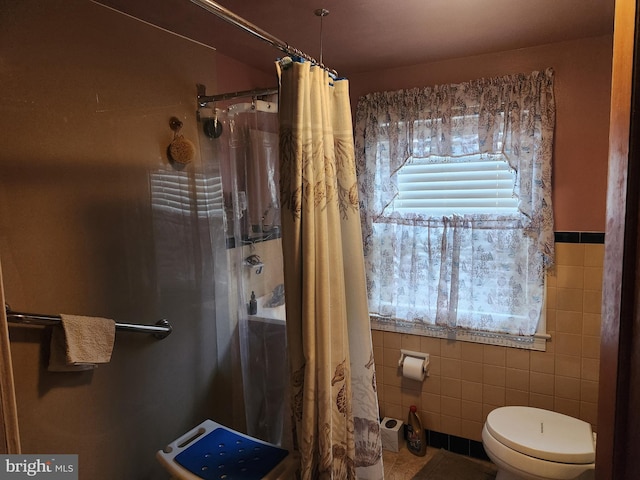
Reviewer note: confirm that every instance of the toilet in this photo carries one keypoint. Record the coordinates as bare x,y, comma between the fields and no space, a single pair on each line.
527,443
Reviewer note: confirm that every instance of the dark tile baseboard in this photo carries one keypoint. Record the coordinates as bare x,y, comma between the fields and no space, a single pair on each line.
579,237
452,443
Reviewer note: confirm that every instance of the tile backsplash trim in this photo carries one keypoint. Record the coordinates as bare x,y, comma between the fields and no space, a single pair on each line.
579,237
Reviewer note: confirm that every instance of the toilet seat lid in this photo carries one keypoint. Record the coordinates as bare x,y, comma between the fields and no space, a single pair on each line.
543,434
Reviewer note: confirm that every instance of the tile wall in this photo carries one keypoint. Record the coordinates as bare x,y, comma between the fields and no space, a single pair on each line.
469,380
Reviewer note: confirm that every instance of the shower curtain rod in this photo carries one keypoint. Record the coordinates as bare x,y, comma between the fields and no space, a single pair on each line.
203,99
241,23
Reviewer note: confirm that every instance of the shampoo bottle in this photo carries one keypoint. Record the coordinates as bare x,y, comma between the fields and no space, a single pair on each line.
253,304
416,437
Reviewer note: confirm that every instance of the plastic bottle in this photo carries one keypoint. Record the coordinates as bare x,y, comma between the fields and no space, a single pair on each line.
253,304
416,437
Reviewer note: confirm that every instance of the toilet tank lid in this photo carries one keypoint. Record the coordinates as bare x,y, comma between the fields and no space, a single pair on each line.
543,434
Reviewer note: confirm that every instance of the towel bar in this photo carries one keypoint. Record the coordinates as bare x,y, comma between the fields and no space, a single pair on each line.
160,330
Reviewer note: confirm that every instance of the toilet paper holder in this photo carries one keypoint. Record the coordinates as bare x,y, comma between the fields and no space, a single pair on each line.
408,353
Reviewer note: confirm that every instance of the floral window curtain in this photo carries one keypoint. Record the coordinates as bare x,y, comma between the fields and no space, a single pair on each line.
482,272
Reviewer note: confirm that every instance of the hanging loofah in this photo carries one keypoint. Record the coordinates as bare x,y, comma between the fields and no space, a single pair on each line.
181,150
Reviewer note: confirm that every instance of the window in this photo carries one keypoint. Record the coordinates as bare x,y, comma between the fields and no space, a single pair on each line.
456,208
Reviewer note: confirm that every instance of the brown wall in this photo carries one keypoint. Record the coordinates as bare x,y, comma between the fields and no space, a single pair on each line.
582,89
86,95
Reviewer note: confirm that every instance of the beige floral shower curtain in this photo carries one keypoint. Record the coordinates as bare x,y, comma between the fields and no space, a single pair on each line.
334,402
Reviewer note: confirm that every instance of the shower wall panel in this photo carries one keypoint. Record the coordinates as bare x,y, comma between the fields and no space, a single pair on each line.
88,226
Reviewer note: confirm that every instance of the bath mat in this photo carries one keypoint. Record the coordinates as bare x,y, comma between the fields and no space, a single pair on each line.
446,465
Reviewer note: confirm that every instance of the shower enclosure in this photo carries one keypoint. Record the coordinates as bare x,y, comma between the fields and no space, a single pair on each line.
243,140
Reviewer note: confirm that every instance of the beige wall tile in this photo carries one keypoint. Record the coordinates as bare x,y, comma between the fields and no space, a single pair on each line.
594,255
569,276
378,354
568,407
591,323
542,362
568,344
589,413
494,375
390,356
569,299
410,342
551,297
392,340
450,349
392,376
471,411
516,397
541,401
592,301
451,367
567,387
593,278
471,371
377,338
410,397
394,411
450,387
450,407
432,421
568,322
472,352
590,369
431,384
430,402
568,366
542,383
450,425
494,355
589,391
471,430
430,345
471,391
590,346
435,363
517,379
518,358
379,377
550,317
392,395
492,395
570,254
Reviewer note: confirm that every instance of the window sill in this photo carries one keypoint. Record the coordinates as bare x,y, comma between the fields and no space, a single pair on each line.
538,342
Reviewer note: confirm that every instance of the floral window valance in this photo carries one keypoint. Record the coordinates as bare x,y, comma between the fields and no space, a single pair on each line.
512,116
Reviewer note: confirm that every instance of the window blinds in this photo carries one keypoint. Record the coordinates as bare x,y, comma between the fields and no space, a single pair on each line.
439,186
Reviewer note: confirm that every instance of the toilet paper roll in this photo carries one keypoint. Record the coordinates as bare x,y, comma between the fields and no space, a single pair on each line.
412,368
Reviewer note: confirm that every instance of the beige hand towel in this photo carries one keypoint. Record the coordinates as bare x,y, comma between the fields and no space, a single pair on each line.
80,343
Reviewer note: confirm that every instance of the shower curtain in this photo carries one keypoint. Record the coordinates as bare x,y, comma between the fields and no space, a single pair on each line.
244,137
333,387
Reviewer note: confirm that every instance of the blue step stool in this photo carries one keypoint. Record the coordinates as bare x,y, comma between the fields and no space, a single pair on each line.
212,451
